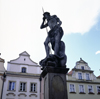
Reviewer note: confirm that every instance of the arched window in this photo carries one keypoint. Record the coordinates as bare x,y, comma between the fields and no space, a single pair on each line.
23,70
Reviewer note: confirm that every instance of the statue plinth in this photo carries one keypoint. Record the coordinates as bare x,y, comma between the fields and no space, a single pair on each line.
55,82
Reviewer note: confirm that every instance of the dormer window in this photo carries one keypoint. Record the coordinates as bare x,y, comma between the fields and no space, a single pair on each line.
82,67
23,70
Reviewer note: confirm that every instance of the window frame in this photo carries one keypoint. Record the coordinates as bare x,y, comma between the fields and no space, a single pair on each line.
97,89
11,85
33,86
24,70
88,76
92,92
82,92
70,90
23,88
79,77
82,67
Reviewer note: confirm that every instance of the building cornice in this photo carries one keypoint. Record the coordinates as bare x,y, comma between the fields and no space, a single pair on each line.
24,64
91,71
19,74
89,82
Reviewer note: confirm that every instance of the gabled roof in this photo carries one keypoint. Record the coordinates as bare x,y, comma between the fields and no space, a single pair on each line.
81,61
24,58
98,77
70,73
2,60
24,54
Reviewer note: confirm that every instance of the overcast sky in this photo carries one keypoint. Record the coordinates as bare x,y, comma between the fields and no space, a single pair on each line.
20,31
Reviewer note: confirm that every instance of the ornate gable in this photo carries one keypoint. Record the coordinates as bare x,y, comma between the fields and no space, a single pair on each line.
24,58
2,60
24,54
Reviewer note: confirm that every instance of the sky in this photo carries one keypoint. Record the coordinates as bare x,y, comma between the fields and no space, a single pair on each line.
20,31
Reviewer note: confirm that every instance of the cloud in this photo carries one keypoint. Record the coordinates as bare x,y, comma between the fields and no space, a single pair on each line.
81,15
98,52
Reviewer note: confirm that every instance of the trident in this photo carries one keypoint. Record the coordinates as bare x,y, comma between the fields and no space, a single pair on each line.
47,34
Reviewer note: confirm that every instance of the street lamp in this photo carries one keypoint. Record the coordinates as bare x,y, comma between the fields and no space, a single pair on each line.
3,78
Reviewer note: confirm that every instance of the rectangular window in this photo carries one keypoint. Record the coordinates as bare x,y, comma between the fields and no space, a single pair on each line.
79,75
98,89
81,88
11,85
82,67
90,88
33,87
22,86
72,88
87,77
23,70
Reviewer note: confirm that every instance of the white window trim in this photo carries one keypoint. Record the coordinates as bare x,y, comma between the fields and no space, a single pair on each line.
21,66
74,88
97,88
30,87
81,74
83,66
86,76
92,88
25,71
83,87
25,86
14,85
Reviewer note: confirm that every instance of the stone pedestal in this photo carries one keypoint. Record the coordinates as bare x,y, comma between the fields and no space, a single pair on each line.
55,82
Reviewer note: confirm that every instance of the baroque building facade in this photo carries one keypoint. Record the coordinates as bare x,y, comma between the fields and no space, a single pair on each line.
2,70
82,83
22,78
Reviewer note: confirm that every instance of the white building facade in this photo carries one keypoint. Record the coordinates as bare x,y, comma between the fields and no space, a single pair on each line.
22,79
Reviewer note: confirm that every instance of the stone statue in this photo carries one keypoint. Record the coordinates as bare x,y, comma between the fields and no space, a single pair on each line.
58,59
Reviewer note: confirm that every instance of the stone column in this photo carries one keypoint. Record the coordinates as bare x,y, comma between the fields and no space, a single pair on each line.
55,86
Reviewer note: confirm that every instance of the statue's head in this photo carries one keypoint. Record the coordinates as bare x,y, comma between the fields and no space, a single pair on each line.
46,14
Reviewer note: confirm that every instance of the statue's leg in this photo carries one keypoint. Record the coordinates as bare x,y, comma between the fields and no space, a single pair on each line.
46,46
57,44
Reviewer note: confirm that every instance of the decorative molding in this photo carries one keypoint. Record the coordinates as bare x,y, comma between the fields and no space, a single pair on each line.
22,74
25,64
98,93
85,70
72,92
22,94
83,82
90,93
11,94
82,93
32,95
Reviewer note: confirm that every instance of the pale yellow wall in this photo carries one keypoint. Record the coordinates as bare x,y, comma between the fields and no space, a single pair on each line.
83,96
